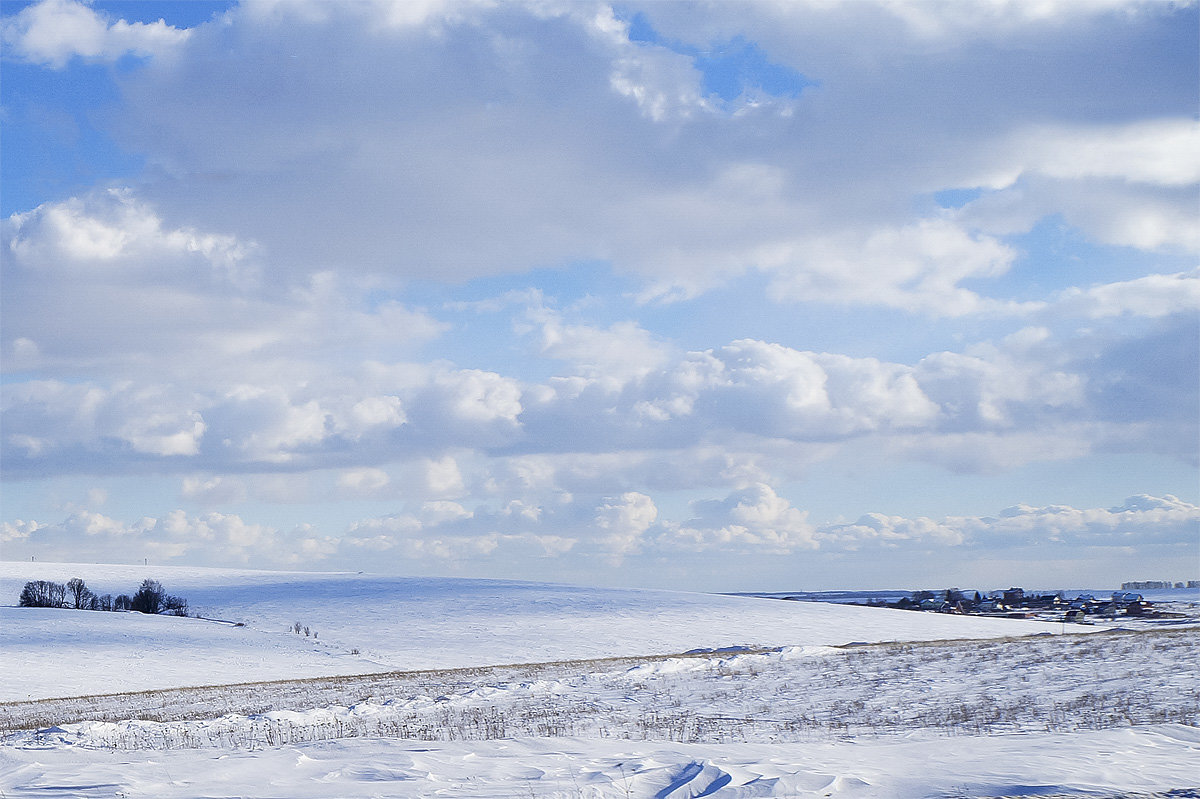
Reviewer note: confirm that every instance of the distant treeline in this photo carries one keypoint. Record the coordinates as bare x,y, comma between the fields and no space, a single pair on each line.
149,598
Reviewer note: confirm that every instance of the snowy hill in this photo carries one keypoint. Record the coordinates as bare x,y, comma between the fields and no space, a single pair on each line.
921,717
366,624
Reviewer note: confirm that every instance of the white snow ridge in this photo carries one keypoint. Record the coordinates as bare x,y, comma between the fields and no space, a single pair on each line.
348,685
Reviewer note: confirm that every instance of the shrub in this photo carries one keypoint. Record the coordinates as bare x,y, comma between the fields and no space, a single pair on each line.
175,605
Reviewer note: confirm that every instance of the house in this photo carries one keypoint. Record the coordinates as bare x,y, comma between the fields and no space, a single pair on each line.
1014,597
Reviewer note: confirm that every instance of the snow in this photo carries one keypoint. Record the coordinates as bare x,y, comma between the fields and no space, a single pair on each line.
396,623
1103,763
560,691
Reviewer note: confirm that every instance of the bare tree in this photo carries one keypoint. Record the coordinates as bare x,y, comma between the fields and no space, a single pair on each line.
79,594
43,594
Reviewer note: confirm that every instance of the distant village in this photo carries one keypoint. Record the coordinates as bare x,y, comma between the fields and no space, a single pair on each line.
1014,603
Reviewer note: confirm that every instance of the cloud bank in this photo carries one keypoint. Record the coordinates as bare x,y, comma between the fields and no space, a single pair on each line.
573,283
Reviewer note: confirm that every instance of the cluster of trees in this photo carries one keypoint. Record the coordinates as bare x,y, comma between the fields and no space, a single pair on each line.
151,597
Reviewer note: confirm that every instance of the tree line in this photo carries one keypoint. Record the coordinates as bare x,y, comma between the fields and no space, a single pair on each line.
151,597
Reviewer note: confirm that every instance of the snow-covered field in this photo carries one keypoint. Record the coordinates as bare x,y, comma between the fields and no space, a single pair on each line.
498,689
370,624
1131,762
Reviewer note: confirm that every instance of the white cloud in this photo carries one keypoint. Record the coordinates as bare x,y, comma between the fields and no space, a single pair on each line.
474,396
363,482
111,235
917,267
212,538
625,520
1029,384
627,531
446,531
664,85
165,433
270,426
53,32
442,477
1000,386
104,279
213,490
383,15
1162,151
878,530
503,158
373,412
1141,521
245,309
18,530
621,351
752,519
1150,296
945,19
1109,211
152,420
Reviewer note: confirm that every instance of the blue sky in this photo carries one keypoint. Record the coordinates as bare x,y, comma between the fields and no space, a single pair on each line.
730,296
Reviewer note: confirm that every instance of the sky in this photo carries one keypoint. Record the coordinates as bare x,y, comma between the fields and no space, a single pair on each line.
724,296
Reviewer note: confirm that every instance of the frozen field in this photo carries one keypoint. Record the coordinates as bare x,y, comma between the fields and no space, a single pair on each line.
370,624
492,689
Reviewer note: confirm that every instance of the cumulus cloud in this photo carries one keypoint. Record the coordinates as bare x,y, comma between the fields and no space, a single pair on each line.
1151,296
666,189
1108,211
747,396
447,532
113,235
999,386
18,530
918,267
1161,151
879,530
210,537
51,415
621,351
754,519
1142,520
52,32
363,482
625,520
104,280
252,307
618,532
213,489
